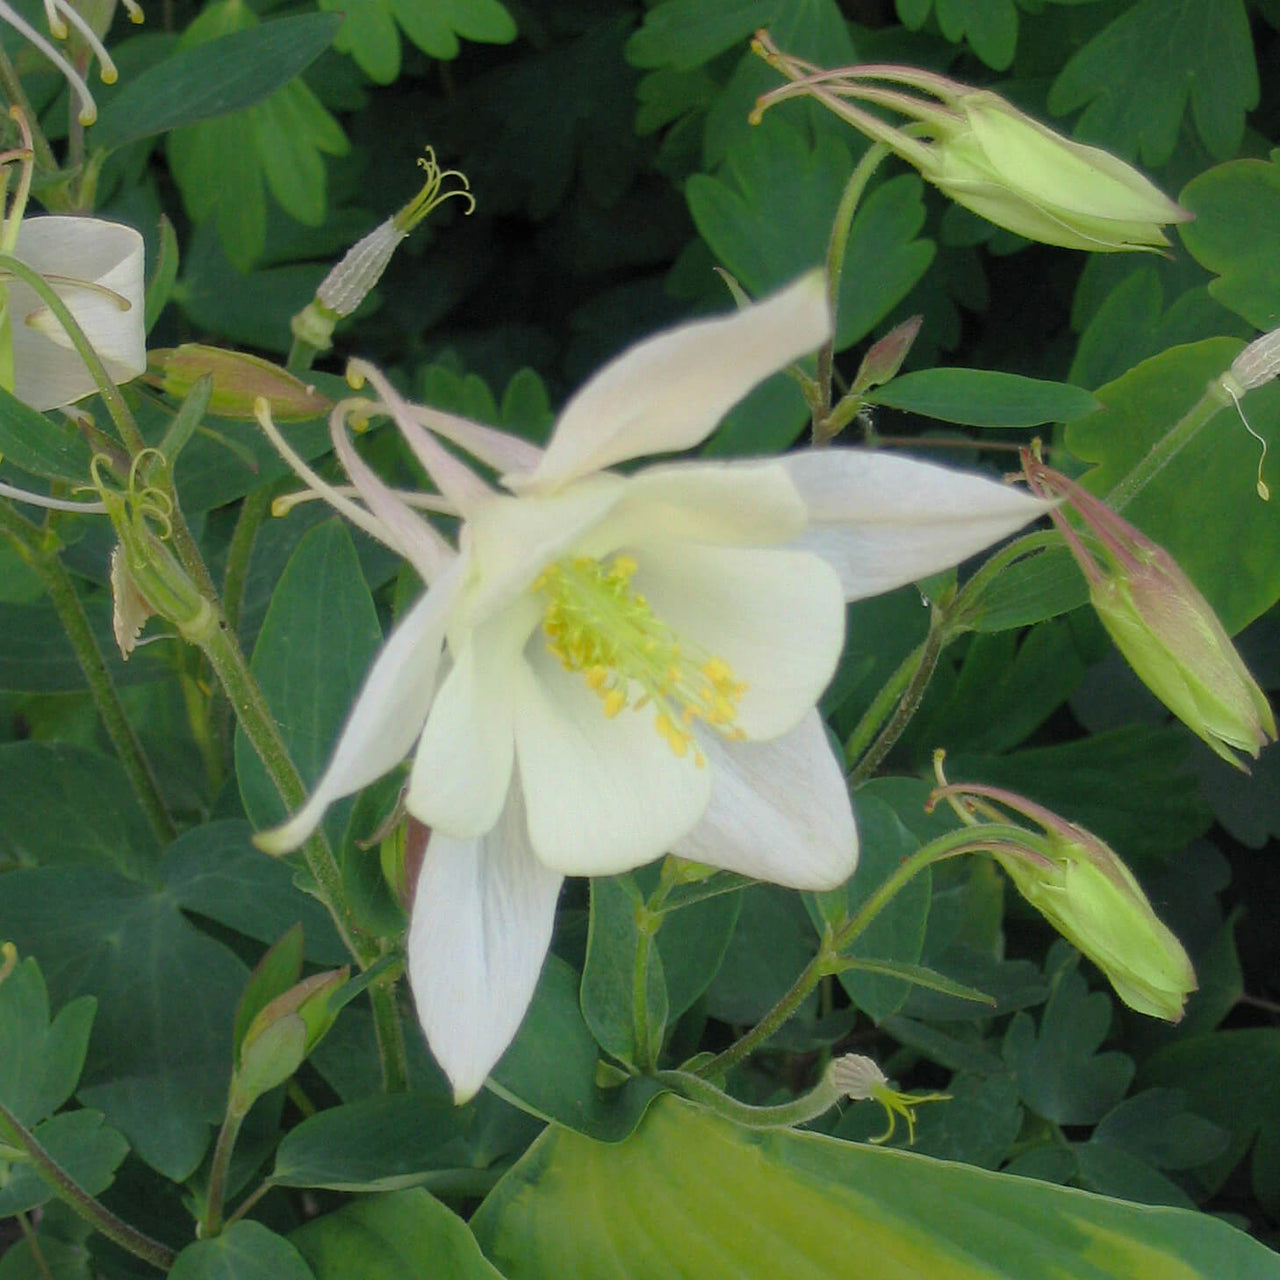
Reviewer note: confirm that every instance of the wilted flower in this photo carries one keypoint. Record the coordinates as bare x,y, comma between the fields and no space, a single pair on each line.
96,268
859,1078
1082,888
632,661
990,157
1166,630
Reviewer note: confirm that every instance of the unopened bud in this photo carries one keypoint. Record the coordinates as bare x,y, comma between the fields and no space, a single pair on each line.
884,358
238,380
1086,892
1166,630
990,157
283,1033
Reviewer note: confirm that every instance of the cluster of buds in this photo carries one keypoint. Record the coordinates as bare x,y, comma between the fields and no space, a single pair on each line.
987,155
1166,630
1082,888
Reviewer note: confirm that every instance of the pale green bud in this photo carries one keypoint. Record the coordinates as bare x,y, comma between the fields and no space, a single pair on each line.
1166,630
239,380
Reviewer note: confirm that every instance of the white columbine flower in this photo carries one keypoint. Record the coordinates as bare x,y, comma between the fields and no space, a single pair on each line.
96,267
612,667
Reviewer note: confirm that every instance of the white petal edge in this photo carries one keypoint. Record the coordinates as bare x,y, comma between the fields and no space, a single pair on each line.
481,924
602,795
776,617
388,715
779,811
668,392
462,769
48,372
882,521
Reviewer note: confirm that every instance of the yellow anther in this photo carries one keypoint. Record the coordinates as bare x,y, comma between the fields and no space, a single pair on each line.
595,624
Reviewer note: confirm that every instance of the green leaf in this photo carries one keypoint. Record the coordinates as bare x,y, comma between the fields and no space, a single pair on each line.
754,224
48,447
81,1144
683,34
164,274
1136,75
1060,1074
1156,1126
392,1237
1031,590
58,1261
386,1143
37,657
319,638
991,26
897,932
1203,507
62,805
1236,235
979,398
40,1061
160,1055
691,1194
1233,1079
1130,786
692,942
214,871
246,1250
978,1126
607,975
550,1069
918,975
214,79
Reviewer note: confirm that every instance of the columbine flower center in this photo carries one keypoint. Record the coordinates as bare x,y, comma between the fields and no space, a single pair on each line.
598,626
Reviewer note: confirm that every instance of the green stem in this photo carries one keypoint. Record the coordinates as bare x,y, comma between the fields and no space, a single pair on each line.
249,1201
253,512
107,389
302,355
33,1243
808,1106
1168,447
255,718
92,1211
211,1220
880,709
925,663
389,1032
57,582
837,247
640,997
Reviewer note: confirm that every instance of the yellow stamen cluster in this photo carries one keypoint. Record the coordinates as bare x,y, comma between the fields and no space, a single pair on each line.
596,624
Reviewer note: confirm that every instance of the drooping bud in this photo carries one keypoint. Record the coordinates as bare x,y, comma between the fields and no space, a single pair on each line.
988,156
1086,892
353,279
238,380
1166,630
884,358
859,1078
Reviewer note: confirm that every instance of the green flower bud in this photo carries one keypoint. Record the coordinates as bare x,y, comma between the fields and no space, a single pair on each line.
988,156
1080,885
283,1033
1166,630
238,380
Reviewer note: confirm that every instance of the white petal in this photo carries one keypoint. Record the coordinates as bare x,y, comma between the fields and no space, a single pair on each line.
388,715
463,766
497,449
779,811
603,795
513,539
776,617
481,925
731,504
414,538
48,372
669,392
882,520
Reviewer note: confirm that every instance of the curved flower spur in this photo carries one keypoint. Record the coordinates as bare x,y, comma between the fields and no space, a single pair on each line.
612,667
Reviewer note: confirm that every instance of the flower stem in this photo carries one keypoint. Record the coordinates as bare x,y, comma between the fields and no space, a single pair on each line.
92,1211
57,582
921,664
808,1106
211,1219
389,1032
837,247
253,512
1168,447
